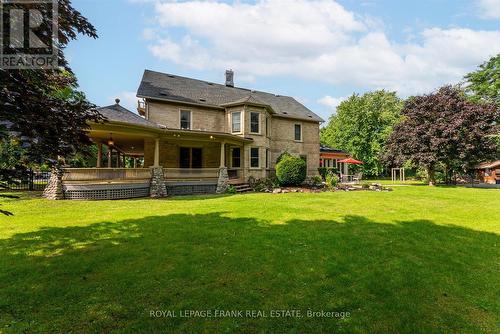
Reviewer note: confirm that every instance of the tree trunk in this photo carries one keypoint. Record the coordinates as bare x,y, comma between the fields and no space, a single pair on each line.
431,176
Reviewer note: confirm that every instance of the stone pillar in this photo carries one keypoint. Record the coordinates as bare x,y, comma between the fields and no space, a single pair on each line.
99,155
223,181
158,187
54,189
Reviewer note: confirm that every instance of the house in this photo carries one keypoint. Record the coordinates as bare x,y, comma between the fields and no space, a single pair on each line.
330,157
192,136
489,172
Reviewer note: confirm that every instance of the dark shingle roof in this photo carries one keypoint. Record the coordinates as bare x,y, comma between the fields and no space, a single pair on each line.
176,88
326,149
117,113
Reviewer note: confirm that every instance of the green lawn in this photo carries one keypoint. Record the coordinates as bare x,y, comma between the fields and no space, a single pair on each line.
415,260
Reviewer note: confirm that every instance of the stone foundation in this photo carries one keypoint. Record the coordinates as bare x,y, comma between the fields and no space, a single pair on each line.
158,187
223,181
54,189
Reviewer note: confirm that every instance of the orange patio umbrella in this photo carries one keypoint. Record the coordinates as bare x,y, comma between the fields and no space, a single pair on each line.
351,161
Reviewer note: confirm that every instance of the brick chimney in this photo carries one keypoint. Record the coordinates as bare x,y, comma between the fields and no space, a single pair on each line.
229,78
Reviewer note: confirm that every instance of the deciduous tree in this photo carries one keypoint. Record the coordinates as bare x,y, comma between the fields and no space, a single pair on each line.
444,128
362,125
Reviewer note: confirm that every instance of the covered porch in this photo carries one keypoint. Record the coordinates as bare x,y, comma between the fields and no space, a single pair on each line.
128,156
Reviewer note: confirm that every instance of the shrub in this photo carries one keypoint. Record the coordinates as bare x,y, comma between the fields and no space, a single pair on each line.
332,180
323,171
230,189
282,156
314,181
365,186
291,171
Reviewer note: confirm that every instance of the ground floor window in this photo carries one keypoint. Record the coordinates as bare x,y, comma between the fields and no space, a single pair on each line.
236,157
254,157
190,157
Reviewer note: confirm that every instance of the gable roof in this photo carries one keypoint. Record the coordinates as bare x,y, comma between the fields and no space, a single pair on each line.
162,86
117,113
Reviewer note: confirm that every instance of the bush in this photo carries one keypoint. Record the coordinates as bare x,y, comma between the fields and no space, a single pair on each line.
323,171
291,171
261,185
332,180
314,181
282,156
230,189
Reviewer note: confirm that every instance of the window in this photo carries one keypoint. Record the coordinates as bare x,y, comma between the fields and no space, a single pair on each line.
185,119
254,122
236,121
254,157
236,156
298,132
190,157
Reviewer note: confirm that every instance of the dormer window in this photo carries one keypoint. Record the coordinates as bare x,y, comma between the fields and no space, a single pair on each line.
185,119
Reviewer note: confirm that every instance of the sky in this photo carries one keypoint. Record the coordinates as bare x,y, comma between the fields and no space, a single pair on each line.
319,52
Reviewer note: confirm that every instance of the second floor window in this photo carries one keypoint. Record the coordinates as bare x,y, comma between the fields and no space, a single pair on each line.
185,119
298,132
254,157
254,122
236,122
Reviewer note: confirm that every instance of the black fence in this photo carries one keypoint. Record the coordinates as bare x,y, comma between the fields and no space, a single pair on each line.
24,180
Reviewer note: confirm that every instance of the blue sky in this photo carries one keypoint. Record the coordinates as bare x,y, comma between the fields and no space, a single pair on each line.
317,51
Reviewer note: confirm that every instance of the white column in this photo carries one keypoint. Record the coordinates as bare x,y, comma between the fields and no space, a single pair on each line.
109,157
222,155
99,155
346,170
157,153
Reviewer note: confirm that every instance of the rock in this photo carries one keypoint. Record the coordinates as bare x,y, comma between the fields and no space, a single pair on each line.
277,191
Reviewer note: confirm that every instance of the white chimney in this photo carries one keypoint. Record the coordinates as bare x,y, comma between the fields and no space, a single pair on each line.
229,78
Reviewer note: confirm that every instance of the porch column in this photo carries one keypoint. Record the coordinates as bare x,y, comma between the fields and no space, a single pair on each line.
223,180
109,157
99,155
135,162
157,153
222,155
117,159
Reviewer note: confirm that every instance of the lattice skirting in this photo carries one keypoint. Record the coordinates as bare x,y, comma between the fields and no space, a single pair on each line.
187,188
106,191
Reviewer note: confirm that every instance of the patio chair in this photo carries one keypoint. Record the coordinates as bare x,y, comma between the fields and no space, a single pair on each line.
357,177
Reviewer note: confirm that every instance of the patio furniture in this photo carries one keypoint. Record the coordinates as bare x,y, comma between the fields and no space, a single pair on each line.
357,177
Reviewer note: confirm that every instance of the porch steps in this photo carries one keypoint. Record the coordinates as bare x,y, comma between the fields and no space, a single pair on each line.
242,187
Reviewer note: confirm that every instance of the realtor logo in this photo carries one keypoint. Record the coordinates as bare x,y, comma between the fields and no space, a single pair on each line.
28,34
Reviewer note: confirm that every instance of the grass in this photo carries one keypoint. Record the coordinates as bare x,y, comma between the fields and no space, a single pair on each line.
415,260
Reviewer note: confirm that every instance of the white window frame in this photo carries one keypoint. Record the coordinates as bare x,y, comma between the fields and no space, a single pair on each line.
250,157
301,137
258,122
190,119
241,121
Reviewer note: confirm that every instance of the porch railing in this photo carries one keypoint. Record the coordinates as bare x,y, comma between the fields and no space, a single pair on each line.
96,174
190,173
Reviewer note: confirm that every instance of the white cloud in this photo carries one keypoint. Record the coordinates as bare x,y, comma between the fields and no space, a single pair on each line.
489,9
318,40
127,100
332,102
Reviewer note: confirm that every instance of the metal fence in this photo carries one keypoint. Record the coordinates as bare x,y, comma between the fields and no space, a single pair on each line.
25,180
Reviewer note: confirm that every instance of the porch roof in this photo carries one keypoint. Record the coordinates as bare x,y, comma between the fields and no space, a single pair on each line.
491,164
117,113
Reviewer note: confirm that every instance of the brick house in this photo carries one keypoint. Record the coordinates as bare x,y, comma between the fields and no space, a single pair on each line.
198,136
